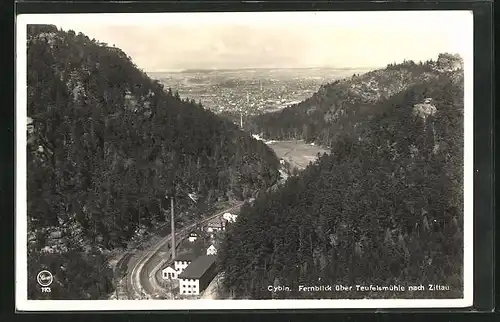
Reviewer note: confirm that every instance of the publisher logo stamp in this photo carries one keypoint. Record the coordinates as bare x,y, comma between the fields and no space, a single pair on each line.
44,278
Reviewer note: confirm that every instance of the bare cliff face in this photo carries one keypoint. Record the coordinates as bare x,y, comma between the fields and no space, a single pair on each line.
381,84
449,62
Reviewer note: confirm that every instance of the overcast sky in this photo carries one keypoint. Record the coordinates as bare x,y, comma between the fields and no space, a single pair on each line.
160,42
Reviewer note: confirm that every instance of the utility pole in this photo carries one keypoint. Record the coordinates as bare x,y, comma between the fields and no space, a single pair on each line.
172,195
172,223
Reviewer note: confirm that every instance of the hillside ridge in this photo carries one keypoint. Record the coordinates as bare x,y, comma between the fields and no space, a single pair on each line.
384,208
106,145
339,107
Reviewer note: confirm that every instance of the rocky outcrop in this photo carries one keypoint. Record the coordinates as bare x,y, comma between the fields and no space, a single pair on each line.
345,105
424,110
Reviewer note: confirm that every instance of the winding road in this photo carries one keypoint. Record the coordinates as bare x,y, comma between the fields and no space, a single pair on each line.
140,279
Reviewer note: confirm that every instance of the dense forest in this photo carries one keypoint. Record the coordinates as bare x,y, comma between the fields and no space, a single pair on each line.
341,107
385,207
105,145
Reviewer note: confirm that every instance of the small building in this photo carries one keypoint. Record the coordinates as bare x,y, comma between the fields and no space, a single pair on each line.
198,275
192,237
169,273
229,217
182,261
215,225
211,250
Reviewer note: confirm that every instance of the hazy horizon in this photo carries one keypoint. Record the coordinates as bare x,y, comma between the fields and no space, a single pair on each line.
258,68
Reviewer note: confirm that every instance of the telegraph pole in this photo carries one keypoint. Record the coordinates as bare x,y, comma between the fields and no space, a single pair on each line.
172,195
172,224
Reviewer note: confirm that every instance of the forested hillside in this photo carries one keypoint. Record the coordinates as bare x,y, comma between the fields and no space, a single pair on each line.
384,208
105,144
343,106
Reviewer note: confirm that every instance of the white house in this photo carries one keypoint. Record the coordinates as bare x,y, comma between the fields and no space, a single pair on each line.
182,261
229,217
189,286
257,137
197,276
211,250
169,273
193,237
214,225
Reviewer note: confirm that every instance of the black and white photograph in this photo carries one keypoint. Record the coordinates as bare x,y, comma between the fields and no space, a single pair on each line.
175,161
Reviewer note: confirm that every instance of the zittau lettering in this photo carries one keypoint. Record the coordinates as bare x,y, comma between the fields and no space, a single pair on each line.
437,287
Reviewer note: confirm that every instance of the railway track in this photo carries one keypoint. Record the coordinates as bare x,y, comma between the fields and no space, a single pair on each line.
139,280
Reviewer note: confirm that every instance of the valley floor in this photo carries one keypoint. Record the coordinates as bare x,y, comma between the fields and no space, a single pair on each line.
297,152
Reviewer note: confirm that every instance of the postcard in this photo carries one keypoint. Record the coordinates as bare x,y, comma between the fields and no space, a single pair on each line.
257,160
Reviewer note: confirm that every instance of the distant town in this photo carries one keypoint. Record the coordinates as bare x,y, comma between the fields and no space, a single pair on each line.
249,91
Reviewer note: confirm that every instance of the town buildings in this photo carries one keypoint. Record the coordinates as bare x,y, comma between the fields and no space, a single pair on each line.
250,92
198,275
182,261
195,272
215,225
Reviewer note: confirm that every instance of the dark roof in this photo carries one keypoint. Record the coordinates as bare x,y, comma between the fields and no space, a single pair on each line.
217,221
168,266
197,268
188,257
